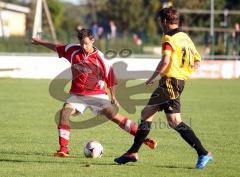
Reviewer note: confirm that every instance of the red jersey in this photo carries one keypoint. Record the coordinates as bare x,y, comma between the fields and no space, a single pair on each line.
89,71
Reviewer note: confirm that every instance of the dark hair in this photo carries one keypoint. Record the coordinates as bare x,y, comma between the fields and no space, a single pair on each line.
81,34
169,14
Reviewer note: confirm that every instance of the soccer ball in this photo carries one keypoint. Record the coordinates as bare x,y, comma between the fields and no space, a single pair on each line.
93,149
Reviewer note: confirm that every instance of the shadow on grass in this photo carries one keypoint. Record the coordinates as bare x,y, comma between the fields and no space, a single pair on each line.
82,164
174,167
43,154
27,153
82,160
87,163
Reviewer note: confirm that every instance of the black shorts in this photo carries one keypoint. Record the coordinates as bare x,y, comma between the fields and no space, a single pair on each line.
167,95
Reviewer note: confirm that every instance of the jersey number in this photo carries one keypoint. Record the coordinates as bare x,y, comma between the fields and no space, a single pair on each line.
187,57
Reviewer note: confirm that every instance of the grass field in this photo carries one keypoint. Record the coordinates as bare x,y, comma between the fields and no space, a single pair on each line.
29,137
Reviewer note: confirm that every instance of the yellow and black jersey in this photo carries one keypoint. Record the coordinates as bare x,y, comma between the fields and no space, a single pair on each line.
183,54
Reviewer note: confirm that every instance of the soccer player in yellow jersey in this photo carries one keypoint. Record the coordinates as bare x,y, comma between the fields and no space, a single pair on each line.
180,58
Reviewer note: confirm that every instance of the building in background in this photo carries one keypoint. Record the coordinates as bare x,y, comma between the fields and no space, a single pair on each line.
13,19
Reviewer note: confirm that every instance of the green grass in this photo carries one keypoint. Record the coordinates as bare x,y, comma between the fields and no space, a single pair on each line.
29,136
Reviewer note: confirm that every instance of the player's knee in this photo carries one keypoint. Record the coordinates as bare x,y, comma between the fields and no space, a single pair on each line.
67,110
173,120
67,107
143,113
109,113
147,113
173,123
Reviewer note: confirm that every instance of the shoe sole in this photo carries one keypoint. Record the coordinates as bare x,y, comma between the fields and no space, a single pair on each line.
61,154
130,160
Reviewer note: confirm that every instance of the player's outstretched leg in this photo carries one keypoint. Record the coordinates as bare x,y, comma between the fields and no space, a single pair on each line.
131,155
130,127
64,133
190,137
64,130
141,135
127,125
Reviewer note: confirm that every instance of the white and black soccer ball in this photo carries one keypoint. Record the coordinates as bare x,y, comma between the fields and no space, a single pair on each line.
93,149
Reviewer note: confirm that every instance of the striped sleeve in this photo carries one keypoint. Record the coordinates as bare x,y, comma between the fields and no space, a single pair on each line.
66,51
109,75
167,49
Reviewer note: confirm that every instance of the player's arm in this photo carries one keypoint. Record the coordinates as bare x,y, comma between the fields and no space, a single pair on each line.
162,65
46,44
113,96
197,61
110,80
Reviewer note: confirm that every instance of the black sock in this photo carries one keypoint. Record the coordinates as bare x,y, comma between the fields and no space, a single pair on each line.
142,133
189,136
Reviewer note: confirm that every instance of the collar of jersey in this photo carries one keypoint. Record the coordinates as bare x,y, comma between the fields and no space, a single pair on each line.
87,55
173,31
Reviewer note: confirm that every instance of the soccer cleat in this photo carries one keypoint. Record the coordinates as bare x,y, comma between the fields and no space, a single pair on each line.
150,143
61,154
203,160
127,157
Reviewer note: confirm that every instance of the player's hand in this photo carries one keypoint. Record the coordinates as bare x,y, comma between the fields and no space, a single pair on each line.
150,82
36,41
114,101
196,65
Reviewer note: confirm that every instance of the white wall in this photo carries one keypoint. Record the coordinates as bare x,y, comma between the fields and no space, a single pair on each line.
48,67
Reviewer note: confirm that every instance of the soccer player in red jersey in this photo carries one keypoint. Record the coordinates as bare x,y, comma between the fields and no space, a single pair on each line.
90,72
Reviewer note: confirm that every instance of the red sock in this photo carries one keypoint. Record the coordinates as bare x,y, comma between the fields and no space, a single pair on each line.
129,126
63,133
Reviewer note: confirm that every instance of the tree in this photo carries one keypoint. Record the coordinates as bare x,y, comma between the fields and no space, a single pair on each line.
73,16
14,2
151,24
56,9
129,15
200,19
233,4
